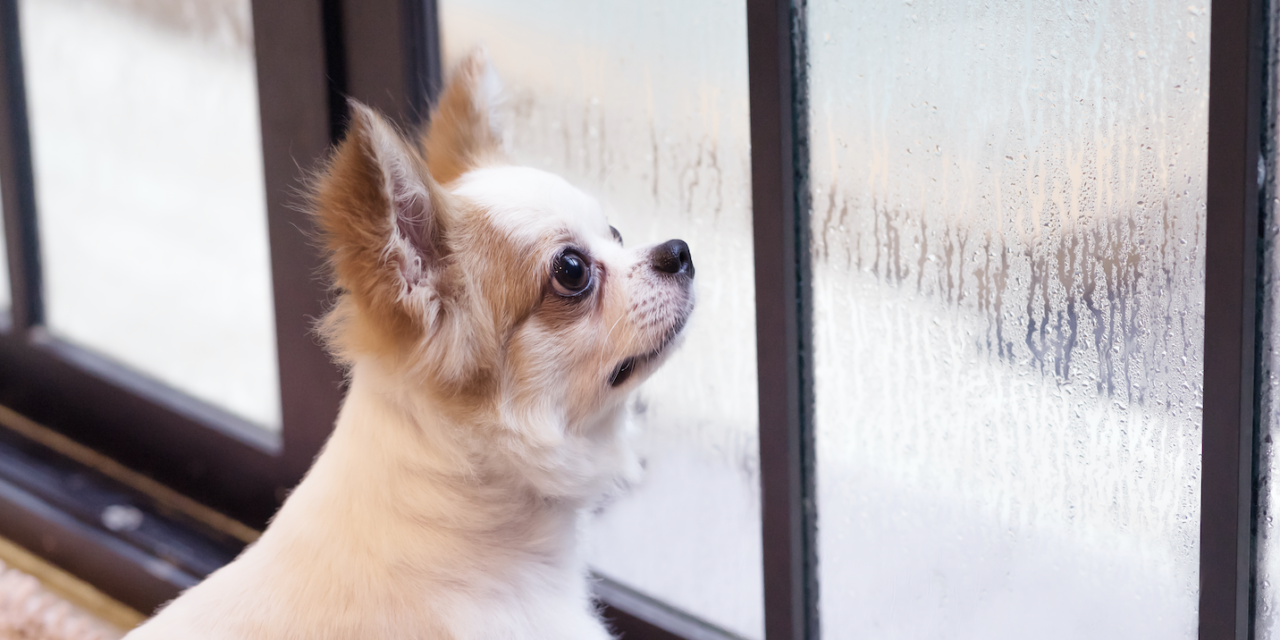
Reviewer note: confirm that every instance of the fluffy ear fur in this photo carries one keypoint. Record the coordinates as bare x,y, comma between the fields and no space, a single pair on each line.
463,133
383,219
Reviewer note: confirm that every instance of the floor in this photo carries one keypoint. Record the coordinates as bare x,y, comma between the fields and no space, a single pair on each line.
39,601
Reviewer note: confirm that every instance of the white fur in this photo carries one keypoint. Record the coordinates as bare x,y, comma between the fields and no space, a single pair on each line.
390,536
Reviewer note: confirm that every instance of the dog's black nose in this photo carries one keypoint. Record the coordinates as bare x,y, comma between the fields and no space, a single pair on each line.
673,257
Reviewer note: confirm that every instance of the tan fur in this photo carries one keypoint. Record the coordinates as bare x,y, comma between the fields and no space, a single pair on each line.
351,212
356,217
462,136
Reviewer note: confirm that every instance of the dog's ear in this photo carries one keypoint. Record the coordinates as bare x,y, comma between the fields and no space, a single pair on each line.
383,220
463,133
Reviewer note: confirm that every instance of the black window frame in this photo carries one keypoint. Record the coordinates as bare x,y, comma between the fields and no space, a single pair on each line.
192,446
69,410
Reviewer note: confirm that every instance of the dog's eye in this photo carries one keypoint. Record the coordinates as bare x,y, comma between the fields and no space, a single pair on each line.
570,274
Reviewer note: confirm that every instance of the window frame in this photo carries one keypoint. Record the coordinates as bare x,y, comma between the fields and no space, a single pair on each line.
312,56
1229,464
780,210
193,446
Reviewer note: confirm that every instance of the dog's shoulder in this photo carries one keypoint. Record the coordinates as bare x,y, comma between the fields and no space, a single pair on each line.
253,599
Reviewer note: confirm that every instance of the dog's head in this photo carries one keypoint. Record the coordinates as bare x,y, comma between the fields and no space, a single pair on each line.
500,289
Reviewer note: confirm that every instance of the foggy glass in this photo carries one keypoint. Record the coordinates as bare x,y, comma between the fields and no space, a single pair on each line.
1267,612
645,106
1008,211
149,188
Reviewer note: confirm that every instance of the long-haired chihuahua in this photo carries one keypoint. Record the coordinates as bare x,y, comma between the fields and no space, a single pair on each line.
492,324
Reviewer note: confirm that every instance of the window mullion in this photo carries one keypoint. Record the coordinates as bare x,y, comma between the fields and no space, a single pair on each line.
17,187
392,56
292,54
1231,264
779,159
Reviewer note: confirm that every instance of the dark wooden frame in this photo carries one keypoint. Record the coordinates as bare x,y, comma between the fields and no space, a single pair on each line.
779,170
311,57
18,197
1237,82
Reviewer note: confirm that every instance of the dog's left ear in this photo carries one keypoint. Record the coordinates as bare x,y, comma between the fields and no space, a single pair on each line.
383,220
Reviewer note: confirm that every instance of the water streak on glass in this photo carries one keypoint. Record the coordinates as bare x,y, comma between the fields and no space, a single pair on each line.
1267,607
1008,235
149,188
644,105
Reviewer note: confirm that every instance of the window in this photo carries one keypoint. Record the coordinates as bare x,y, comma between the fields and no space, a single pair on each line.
119,185
147,159
975,348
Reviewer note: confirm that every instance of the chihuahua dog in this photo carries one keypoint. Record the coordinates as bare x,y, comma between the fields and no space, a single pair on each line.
492,324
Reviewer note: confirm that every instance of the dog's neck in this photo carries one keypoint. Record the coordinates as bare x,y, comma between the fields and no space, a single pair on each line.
401,483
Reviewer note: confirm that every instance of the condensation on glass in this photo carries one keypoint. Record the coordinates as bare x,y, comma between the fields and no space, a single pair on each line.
1267,605
149,187
645,106
1008,216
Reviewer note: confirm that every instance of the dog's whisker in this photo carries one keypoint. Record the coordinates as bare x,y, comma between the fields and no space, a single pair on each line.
604,344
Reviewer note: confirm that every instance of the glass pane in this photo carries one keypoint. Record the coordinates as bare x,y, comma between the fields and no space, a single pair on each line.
152,210
1267,623
645,105
1008,223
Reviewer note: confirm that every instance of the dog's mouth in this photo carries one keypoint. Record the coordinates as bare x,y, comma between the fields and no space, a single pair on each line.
630,365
